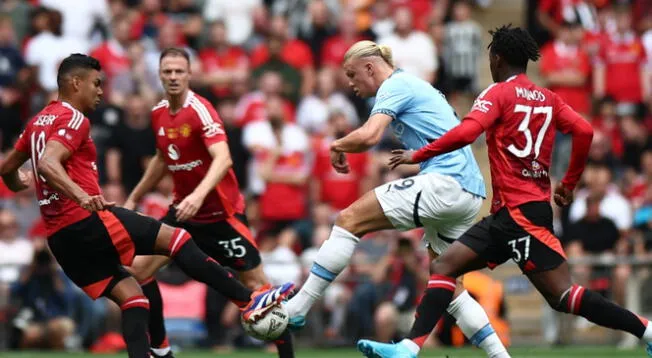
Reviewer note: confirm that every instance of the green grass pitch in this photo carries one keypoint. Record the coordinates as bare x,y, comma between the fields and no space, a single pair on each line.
571,352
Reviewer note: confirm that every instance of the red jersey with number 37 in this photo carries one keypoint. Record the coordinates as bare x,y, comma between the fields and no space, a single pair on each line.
60,122
520,119
183,139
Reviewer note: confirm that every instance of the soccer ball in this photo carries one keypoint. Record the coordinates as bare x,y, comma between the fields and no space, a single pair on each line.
269,327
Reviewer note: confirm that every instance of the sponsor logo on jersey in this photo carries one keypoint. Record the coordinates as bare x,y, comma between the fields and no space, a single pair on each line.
45,120
161,132
49,200
481,105
536,172
534,95
185,166
173,152
185,130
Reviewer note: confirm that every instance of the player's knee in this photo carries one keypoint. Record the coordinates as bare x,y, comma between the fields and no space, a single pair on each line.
61,326
348,220
441,267
386,314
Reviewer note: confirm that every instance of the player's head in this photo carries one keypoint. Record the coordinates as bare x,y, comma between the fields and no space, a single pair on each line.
80,81
367,65
174,70
509,51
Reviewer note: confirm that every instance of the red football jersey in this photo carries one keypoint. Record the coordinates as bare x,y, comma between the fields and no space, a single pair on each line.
623,58
555,57
61,122
183,139
520,119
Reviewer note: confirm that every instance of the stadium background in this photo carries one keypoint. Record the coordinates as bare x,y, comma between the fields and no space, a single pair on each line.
257,60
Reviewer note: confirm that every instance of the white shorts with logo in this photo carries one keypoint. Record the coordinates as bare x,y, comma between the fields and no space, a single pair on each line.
435,201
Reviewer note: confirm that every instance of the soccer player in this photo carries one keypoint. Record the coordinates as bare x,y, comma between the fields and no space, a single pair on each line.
90,238
520,119
192,145
444,198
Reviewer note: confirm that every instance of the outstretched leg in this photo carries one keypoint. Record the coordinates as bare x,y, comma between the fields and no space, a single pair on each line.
135,314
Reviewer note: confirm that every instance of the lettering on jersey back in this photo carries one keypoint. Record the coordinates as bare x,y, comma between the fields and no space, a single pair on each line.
45,120
534,95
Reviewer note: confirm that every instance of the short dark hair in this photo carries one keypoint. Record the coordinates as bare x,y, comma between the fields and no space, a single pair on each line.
514,45
174,51
74,62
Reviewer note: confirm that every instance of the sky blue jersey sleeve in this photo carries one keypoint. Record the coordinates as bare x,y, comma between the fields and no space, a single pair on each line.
393,98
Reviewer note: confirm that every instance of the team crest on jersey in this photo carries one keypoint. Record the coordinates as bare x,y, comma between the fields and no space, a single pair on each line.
173,133
185,130
173,152
161,132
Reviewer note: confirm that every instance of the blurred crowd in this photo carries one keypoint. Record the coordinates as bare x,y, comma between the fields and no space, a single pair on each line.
272,71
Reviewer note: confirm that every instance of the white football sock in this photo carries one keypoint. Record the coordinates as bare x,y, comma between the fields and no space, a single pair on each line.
411,346
474,323
161,351
647,335
333,257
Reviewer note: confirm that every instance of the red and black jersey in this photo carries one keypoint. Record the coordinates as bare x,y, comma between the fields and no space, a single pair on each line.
520,119
61,122
183,138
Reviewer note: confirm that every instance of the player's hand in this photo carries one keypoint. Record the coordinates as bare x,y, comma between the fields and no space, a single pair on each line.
400,156
26,178
96,203
189,207
129,205
339,162
563,195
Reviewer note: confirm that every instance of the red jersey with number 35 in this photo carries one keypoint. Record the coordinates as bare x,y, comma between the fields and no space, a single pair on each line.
520,119
60,122
183,139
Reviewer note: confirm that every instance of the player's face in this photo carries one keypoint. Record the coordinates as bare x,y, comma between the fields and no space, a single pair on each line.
360,75
91,89
175,74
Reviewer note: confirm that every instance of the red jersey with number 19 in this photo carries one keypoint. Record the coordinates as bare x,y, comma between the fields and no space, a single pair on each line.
60,122
183,139
520,119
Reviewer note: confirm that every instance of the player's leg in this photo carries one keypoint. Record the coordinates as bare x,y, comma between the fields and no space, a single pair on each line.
363,216
135,315
472,319
143,269
468,253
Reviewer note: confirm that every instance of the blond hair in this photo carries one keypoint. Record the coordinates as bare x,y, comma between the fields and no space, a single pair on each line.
368,48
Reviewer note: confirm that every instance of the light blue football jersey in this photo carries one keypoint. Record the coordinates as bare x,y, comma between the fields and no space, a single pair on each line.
421,114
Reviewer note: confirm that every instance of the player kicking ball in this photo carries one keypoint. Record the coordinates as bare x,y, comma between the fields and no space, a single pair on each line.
191,145
444,198
90,237
520,119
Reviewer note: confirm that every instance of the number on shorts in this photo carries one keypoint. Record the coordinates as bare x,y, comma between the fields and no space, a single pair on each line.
404,185
516,254
232,248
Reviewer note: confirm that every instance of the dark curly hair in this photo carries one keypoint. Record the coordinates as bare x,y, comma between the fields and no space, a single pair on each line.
514,45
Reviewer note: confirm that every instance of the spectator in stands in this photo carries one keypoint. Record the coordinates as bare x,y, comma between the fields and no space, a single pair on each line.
282,166
18,12
44,51
319,29
115,192
332,188
221,62
462,49
552,13
280,263
291,51
602,154
137,79
237,15
566,67
595,235
413,50
156,203
333,50
290,76
621,68
226,109
251,106
635,140
25,207
17,252
112,53
187,16
132,144
606,122
383,24
639,191
13,82
80,18
46,304
314,110
148,20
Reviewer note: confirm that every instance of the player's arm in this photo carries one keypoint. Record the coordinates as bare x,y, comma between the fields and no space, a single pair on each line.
50,166
570,122
10,171
364,137
155,171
